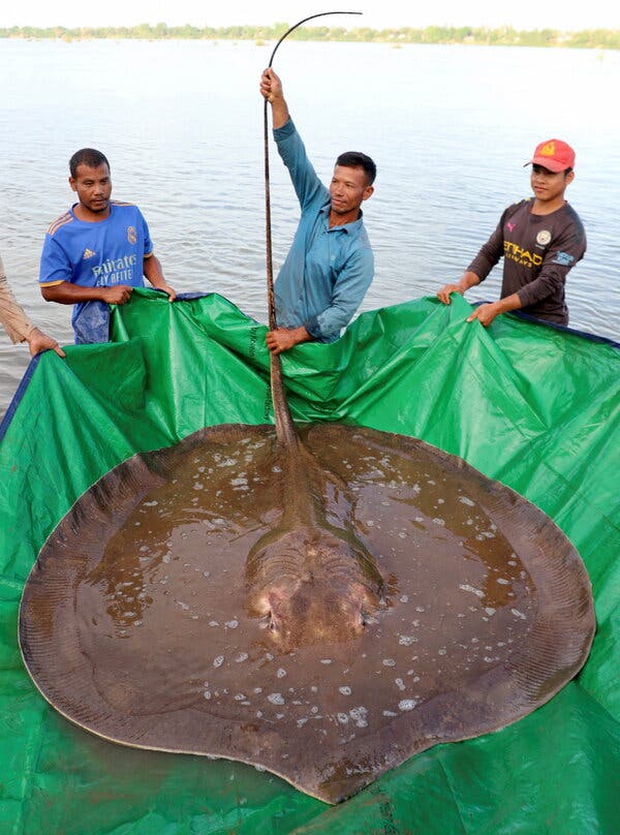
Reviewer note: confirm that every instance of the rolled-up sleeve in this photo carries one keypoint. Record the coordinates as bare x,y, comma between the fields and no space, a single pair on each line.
12,317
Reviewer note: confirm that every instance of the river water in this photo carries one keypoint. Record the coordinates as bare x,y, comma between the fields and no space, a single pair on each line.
182,125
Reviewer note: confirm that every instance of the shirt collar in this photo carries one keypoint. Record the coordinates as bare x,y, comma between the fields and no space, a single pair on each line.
347,227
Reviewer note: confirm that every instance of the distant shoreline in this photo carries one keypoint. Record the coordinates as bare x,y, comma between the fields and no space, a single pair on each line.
467,35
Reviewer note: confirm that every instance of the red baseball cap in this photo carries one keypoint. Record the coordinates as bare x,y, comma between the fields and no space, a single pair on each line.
553,154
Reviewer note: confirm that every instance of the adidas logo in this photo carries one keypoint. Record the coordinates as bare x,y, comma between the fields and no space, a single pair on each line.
88,253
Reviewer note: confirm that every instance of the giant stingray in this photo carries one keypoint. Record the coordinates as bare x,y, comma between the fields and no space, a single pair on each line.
322,604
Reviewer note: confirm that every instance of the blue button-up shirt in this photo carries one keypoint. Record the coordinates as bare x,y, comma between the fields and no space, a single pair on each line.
327,271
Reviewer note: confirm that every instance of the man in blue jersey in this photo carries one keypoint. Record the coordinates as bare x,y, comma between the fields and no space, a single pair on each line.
330,264
98,251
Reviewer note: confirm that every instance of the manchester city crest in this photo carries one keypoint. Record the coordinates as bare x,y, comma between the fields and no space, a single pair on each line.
543,237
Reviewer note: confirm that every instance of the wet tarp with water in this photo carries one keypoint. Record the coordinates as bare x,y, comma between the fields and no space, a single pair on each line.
533,406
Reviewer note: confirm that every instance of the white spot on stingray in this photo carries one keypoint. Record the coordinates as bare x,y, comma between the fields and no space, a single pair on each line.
276,698
503,582
326,661
472,589
388,662
346,691
399,683
217,662
359,714
407,704
281,672
243,656
406,640
343,718
389,713
232,624
518,614
489,610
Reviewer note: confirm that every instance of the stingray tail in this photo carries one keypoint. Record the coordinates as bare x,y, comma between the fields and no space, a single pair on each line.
285,428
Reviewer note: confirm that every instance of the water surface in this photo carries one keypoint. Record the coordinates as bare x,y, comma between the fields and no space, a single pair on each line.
181,123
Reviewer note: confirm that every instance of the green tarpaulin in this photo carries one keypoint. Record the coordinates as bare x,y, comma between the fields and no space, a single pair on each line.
533,406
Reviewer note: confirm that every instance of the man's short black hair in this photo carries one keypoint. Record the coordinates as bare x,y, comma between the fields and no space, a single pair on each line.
355,159
89,157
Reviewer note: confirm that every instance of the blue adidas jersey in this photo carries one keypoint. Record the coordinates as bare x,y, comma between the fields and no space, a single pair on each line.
99,254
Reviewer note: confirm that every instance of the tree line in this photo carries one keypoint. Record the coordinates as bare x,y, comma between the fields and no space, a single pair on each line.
503,36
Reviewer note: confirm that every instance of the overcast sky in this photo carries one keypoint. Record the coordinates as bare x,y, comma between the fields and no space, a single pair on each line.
525,14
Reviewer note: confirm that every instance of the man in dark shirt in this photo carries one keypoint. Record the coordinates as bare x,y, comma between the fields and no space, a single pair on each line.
540,240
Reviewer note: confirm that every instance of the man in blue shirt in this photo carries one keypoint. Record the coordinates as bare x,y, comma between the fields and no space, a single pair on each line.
330,264
98,251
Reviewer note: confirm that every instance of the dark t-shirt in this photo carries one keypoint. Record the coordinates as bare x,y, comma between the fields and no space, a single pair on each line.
538,252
